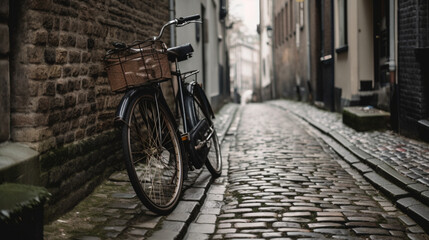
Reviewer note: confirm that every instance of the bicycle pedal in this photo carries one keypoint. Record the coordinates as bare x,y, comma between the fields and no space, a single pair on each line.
185,137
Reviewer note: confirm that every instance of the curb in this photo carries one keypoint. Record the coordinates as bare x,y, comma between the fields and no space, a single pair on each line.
410,196
175,225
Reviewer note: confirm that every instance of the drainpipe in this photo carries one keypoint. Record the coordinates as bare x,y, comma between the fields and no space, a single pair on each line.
333,55
392,65
308,49
273,57
172,28
394,95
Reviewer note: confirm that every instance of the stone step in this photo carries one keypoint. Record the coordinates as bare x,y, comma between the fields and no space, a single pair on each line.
365,118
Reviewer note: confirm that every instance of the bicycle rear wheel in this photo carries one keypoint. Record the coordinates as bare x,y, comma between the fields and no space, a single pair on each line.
214,159
153,153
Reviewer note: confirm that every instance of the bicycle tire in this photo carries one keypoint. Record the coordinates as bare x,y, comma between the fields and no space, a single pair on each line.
153,153
214,157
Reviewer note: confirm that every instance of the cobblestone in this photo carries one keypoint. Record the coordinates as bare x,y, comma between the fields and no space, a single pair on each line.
114,211
284,182
407,156
281,180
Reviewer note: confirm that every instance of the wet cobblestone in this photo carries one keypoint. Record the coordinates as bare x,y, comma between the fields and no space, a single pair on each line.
284,182
113,211
407,156
280,181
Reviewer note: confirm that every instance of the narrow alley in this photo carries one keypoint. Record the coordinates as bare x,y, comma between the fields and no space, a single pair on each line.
281,180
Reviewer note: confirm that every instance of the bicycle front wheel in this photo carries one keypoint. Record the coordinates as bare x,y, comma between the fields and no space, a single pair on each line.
214,159
153,153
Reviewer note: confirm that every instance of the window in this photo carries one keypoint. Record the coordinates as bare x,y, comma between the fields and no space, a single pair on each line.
342,25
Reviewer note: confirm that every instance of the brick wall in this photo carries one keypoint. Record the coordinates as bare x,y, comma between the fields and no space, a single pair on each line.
61,103
413,86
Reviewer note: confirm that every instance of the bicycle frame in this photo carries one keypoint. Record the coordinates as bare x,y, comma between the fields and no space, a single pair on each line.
184,94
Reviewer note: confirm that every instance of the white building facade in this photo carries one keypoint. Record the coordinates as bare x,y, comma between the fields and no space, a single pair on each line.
209,42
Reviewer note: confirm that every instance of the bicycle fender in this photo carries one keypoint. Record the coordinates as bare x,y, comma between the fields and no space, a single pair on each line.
195,89
123,106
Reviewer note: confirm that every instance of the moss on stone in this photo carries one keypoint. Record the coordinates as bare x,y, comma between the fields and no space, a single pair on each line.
17,198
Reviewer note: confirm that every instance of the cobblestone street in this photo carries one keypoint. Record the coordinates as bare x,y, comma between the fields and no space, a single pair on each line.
281,180
285,182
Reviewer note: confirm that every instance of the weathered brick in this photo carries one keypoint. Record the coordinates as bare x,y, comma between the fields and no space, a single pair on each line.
70,101
40,4
49,89
38,72
50,56
38,37
60,56
74,57
43,104
35,55
53,39
55,71
67,40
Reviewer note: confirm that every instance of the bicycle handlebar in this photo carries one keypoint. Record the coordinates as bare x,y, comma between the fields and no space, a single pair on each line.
178,21
182,20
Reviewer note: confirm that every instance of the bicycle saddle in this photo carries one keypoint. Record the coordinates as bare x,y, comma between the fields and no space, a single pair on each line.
180,53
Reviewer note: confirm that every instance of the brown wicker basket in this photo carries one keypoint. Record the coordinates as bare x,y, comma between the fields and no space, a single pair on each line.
139,64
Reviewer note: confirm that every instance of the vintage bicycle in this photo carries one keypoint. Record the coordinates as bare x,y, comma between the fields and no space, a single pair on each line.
159,150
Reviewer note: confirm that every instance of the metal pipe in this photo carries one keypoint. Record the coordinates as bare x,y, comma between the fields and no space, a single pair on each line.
392,65
333,55
308,41
273,52
172,27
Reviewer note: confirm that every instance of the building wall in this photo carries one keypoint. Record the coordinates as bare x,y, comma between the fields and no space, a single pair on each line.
4,73
209,50
245,67
365,41
412,71
357,62
313,19
266,45
61,103
290,50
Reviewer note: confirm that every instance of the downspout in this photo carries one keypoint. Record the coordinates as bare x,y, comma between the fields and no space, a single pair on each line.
333,52
172,26
394,97
392,64
261,26
273,84
309,50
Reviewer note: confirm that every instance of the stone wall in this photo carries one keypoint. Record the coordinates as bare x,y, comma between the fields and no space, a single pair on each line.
61,103
413,86
4,72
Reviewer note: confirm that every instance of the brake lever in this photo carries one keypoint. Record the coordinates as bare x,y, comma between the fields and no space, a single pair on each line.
186,23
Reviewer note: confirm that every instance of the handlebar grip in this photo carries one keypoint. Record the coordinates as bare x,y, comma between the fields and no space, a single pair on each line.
188,18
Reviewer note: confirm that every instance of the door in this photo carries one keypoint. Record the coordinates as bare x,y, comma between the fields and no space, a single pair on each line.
326,63
381,43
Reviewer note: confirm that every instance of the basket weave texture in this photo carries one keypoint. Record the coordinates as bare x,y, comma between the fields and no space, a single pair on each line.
136,65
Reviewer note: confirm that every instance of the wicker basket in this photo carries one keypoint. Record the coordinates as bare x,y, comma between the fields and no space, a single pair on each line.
139,64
